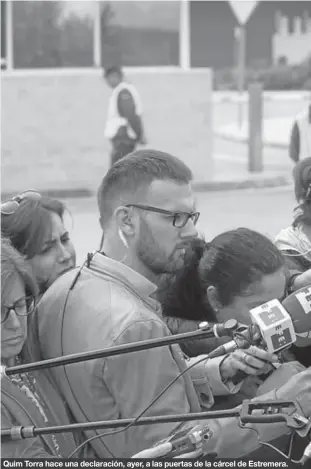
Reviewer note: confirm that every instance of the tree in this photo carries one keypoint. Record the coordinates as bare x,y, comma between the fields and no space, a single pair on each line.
36,33
110,46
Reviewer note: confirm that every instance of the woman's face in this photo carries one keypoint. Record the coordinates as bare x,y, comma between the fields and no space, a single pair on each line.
270,287
56,257
14,328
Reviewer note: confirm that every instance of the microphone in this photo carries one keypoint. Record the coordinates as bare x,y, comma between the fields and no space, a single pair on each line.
298,305
206,330
274,325
244,337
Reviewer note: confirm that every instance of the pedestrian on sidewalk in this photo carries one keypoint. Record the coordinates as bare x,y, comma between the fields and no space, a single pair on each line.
300,140
124,126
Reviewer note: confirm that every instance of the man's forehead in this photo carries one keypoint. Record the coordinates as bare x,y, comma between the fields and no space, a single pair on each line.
171,195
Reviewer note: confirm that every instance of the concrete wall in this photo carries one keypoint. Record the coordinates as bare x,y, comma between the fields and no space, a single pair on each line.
53,126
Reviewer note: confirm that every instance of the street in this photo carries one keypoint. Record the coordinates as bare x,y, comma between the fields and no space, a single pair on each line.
265,210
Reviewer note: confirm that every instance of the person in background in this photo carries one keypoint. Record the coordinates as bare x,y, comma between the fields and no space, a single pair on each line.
35,226
147,212
124,126
27,399
295,241
300,138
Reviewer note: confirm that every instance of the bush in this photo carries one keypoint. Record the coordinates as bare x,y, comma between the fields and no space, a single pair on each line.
278,77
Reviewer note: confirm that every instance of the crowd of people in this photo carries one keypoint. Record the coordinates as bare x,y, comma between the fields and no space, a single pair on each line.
154,276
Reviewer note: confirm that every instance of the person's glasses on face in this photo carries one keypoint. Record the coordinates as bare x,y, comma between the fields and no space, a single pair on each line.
21,307
180,219
10,206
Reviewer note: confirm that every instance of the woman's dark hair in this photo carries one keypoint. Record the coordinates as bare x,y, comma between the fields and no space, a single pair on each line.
29,226
235,259
183,296
230,262
302,179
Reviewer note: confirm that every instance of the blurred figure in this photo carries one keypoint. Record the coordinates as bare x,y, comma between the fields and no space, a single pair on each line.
35,226
124,127
300,139
27,399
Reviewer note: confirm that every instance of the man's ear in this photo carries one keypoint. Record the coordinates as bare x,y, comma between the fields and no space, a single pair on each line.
213,299
125,221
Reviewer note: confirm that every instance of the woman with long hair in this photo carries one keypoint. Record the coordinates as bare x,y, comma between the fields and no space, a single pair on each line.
35,226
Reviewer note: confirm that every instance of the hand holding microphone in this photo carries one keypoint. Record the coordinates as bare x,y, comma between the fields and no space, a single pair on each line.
252,361
274,327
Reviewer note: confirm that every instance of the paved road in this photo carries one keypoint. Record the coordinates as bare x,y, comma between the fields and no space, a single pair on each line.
266,210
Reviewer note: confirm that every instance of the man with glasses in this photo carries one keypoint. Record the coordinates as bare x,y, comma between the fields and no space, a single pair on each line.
148,216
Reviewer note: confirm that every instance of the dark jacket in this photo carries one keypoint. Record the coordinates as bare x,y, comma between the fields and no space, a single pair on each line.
17,409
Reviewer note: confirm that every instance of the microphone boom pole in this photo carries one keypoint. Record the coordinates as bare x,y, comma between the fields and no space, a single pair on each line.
245,412
207,331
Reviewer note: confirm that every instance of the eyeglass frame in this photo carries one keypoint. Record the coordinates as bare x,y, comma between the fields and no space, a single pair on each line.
194,216
13,308
18,200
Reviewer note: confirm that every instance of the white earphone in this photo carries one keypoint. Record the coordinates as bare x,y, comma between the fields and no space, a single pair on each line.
123,239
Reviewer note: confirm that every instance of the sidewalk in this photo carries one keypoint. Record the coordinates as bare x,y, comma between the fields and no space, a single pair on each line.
276,132
227,175
234,175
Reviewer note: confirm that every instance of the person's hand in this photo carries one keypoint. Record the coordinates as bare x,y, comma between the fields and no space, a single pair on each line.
252,361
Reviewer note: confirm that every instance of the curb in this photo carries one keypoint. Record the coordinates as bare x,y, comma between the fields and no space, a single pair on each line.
235,97
235,138
207,186
264,183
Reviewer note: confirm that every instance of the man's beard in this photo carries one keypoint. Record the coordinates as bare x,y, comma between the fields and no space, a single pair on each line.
153,257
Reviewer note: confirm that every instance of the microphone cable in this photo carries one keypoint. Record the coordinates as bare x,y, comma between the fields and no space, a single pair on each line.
105,434
274,448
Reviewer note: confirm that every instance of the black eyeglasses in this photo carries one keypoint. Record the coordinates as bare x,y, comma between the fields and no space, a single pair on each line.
19,307
180,219
10,206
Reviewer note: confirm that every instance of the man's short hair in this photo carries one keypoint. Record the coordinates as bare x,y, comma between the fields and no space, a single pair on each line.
108,71
133,174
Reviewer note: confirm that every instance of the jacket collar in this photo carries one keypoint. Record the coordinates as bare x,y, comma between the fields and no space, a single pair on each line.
123,273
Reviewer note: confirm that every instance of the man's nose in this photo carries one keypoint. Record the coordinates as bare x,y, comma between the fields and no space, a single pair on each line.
189,231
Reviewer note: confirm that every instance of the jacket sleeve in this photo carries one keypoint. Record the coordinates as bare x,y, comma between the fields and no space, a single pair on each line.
294,144
127,109
28,448
209,370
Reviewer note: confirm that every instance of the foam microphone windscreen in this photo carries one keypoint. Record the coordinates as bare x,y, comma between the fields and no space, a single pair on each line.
298,306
